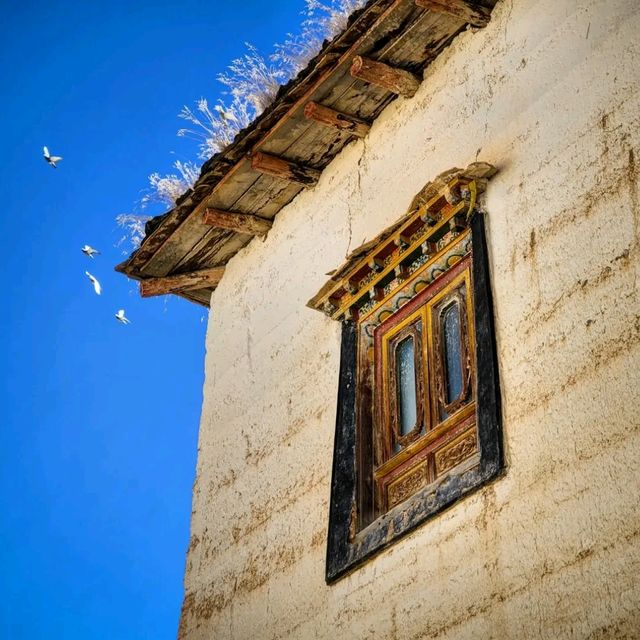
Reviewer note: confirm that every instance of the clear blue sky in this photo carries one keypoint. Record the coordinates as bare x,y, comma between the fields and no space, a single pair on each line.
99,420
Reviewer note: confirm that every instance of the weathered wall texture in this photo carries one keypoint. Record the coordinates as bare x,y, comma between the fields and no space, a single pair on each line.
549,93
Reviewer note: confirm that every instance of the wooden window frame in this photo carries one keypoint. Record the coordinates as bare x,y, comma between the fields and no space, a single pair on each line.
399,471
357,528
389,386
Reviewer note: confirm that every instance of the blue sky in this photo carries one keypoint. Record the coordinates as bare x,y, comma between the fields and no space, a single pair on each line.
99,420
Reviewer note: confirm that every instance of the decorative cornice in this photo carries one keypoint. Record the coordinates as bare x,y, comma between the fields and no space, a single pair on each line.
380,267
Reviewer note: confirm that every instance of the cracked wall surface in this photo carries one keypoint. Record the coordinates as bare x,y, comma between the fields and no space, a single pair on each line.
549,93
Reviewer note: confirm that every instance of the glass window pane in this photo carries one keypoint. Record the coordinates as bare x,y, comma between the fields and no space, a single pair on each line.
452,354
406,385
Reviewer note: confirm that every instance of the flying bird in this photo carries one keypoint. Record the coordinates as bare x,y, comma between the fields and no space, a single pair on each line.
89,251
120,317
94,282
49,158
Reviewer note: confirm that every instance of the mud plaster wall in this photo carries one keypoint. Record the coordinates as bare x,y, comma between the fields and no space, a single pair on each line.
548,93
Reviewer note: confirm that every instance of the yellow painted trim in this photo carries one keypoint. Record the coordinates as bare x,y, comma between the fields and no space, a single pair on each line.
425,312
429,231
402,456
414,275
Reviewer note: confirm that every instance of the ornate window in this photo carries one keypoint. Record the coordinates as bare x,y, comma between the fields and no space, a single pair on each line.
418,406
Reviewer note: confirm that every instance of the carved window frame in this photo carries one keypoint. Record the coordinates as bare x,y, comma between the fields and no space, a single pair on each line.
386,379
384,484
402,465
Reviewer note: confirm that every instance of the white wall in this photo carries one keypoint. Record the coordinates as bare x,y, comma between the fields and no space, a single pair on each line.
549,93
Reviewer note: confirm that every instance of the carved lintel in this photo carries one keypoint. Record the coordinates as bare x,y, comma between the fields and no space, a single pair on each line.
429,217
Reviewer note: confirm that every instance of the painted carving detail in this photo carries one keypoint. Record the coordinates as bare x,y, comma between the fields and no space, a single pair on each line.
435,270
452,455
408,484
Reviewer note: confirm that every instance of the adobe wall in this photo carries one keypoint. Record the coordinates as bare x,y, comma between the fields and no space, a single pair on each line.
549,93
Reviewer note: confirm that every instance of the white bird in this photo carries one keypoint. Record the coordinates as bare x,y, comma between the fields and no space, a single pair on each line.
49,158
89,251
94,282
120,317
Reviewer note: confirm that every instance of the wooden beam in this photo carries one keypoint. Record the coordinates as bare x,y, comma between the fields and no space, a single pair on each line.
183,282
463,9
285,169
240,222
382,75
162,234
336,120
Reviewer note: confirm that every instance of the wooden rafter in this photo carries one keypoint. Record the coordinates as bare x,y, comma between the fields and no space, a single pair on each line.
387,30
163,233
284,169
183,282
234,221
463,9
335,119
392,79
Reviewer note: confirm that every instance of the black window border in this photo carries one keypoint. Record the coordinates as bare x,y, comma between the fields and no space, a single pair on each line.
347,550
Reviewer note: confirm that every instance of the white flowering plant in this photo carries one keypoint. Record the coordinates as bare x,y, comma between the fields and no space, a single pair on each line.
251,84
